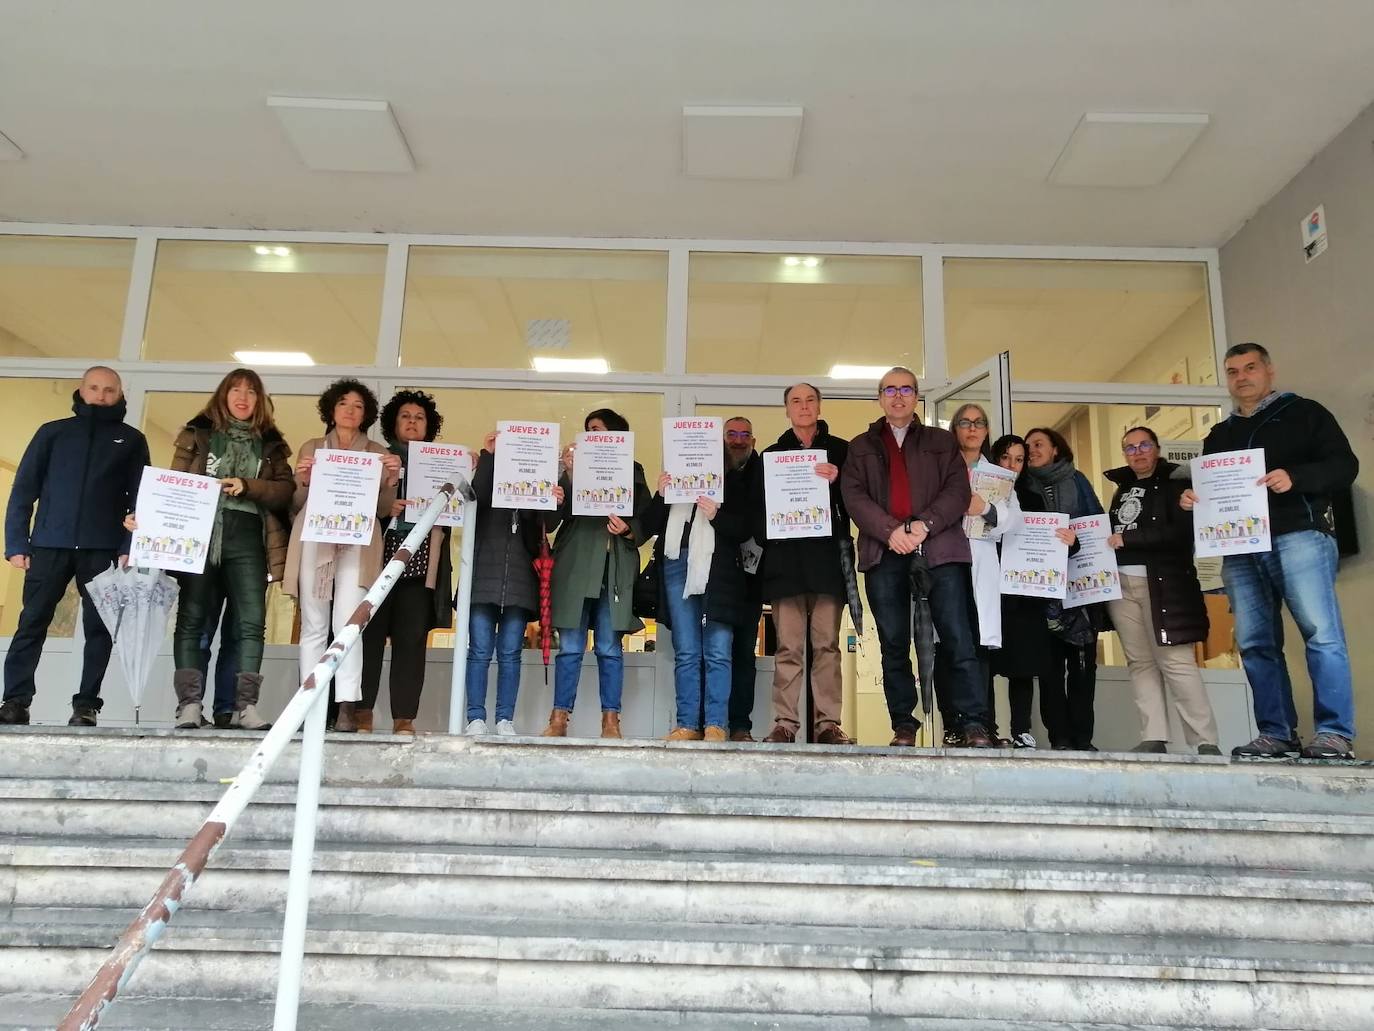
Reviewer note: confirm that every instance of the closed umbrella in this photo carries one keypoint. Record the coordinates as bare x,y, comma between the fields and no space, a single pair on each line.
923,631
543,566
135,605
851,583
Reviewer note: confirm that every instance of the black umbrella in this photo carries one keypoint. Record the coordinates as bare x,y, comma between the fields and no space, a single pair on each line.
923,631
851,583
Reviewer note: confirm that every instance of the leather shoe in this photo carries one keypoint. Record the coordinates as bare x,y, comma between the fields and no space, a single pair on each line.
741,735
831,734
976,737
904,736
780,735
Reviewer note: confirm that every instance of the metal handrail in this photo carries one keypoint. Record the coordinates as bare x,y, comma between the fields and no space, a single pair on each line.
308,703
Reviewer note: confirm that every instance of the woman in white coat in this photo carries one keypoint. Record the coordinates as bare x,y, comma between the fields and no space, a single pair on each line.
970,429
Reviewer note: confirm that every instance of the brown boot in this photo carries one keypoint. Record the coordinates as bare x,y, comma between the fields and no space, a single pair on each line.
363,717
610,724
346,722
715,734
683,734
401,727
558,724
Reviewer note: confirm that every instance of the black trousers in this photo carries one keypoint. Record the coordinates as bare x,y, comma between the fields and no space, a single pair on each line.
743,674
405,617
45,582
1020,695
1068,686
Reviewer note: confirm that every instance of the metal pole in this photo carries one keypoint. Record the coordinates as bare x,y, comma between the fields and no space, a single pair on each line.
458,694
302,859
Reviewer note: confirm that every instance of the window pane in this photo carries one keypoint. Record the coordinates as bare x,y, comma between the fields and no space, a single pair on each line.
166,412
758,314
212,299
469,415
504,308
63,296
846,417
27,404
1082,321
1094,432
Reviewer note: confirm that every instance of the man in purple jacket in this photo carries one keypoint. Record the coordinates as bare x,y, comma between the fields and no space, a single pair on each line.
906,487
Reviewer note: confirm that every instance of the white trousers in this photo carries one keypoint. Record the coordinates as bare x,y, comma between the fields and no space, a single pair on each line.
316,620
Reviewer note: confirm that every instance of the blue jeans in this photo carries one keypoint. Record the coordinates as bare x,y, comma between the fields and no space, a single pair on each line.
492,628
610,664
699,645
951,588
1301,572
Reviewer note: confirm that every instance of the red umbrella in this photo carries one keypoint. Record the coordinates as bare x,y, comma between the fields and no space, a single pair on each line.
543,565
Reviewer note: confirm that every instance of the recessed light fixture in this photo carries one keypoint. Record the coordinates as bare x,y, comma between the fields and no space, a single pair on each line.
591,366
264,251
857,371
795,261
811,262
791,260
273,358
281,252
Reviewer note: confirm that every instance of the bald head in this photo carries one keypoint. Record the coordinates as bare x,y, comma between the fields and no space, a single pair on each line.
101,386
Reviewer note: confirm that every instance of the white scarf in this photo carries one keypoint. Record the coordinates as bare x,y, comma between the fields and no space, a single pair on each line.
701,545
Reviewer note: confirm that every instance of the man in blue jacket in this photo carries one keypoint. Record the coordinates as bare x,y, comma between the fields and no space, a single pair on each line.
83,472
1308,459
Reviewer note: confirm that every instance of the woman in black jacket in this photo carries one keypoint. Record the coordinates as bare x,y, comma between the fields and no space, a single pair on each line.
703,598
1160,614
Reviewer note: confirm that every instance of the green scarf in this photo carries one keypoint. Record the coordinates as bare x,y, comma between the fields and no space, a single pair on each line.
234,451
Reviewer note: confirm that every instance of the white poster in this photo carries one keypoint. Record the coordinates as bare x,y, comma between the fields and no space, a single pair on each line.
603,478
342,505
1314,240
1232,513
429,466
694,456
526,469
796,499
994,485
1034,561
176,514
1092,571
1182,452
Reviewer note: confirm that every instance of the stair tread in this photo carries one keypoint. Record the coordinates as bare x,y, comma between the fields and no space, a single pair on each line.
712,944
135,1013
703,803
679,865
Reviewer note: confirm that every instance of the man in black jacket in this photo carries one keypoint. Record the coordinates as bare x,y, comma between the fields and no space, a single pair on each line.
1308,459
803,581
744,463
83,472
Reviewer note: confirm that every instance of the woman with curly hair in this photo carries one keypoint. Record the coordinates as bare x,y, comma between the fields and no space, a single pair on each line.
325,577
423,597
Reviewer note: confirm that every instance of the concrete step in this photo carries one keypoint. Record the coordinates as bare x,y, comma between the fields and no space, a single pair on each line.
134,1013
687,967
580,884
774,771
819,826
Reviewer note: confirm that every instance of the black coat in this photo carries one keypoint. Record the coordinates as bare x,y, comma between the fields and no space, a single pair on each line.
727,593
1157,534
810,565
508,542
1026,637
1301,437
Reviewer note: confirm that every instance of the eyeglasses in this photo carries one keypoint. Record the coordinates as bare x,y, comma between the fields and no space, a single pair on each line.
1143,448
740,435
972,424
904,391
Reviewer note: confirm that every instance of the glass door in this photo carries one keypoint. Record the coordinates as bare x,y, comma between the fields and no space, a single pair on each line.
987,384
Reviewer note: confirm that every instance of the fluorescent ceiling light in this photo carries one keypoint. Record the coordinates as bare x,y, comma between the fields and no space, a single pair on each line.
264,251
594,366
811,261
273,358
858,371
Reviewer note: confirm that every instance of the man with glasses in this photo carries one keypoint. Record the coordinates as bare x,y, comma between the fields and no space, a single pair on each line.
744,460
83,472
1309,460
906,486
804,583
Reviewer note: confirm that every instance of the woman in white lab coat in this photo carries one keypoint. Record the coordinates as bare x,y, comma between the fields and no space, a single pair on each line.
970,428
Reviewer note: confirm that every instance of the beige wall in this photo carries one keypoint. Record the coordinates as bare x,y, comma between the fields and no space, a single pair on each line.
1318,321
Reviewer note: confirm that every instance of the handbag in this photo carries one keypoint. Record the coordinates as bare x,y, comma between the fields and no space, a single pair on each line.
644,600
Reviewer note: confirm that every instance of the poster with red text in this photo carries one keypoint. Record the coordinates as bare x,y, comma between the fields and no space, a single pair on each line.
1034,561
430,465
1232,512
176,513
341,507
796,498
526,468
694,457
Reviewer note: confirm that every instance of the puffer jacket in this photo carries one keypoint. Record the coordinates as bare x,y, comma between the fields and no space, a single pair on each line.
271,489
1157,534
507,544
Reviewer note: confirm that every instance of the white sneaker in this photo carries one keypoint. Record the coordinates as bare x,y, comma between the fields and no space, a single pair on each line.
476,728
505,728
1023,741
